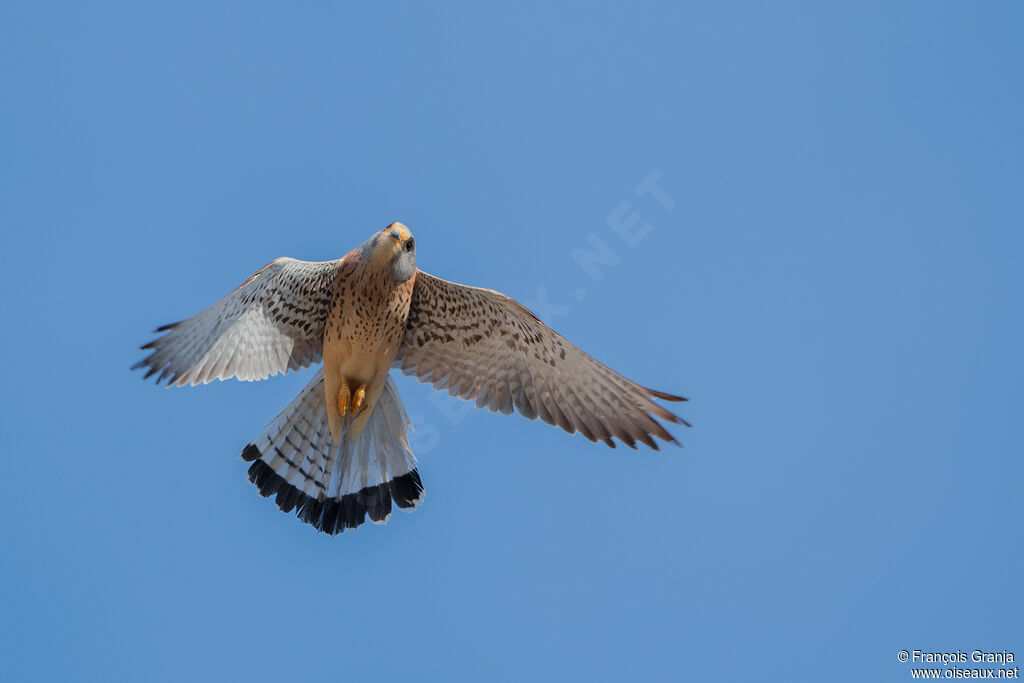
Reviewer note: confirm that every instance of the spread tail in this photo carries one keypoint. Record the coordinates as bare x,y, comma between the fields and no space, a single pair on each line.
334,486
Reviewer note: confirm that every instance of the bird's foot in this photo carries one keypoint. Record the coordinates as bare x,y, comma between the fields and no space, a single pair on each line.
357,399
349,401
344,396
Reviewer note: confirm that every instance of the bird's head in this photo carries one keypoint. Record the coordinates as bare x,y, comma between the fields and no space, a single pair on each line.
394,249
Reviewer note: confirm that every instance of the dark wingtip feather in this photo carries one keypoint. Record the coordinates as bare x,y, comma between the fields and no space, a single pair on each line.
151,368
627,439
168,326
665,397
167,374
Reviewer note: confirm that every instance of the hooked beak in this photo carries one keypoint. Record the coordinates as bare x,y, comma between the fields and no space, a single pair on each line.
399,234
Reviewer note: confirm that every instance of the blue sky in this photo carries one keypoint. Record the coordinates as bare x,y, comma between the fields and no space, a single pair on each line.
832,275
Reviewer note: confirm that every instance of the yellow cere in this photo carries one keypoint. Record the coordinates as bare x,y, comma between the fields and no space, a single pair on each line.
402,233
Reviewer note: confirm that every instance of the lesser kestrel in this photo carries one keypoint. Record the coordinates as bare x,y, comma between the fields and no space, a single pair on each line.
339,452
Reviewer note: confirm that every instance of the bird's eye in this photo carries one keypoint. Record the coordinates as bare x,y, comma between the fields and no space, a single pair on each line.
409,246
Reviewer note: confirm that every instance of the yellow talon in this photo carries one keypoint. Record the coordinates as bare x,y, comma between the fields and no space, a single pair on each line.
343,398
357,399
349,402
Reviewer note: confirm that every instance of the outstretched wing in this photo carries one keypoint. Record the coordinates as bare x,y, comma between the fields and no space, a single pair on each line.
480,344
270,324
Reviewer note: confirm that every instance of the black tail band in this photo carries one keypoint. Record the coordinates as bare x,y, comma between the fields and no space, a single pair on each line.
334,515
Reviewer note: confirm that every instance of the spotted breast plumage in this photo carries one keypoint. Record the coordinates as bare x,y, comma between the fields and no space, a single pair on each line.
340,452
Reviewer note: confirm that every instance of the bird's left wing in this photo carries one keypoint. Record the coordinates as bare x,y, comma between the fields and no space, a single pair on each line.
480,344
270,324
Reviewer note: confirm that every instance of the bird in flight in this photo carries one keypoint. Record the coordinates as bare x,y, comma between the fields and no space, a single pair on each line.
340,451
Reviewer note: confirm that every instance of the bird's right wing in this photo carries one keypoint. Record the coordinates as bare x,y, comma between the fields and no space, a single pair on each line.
270,324
480,344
